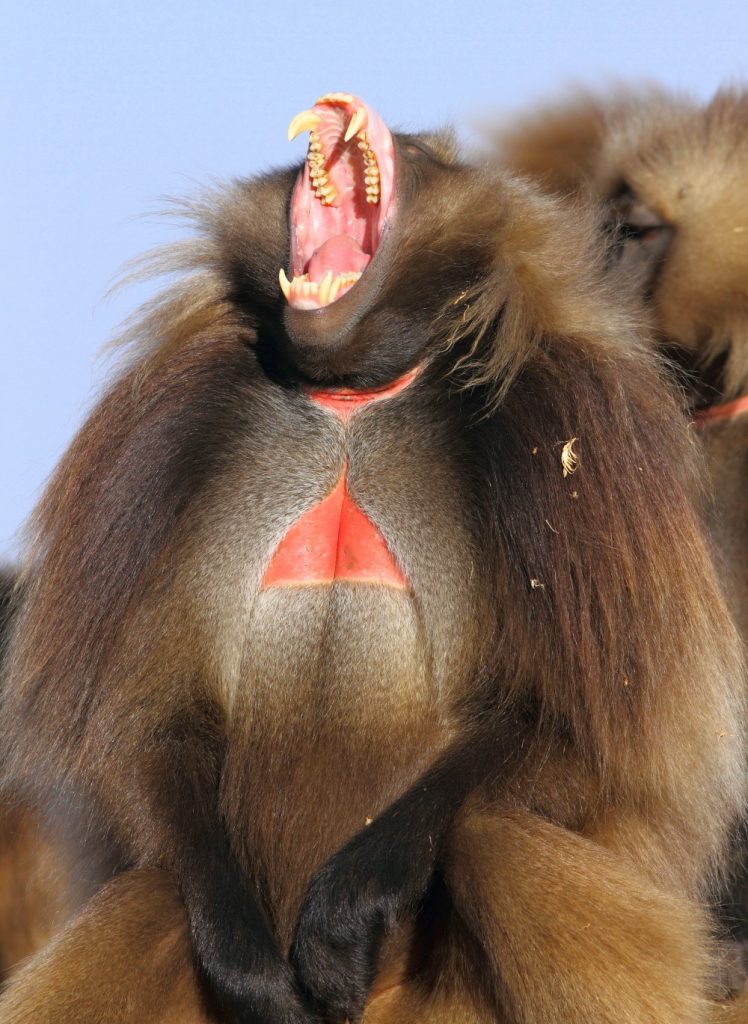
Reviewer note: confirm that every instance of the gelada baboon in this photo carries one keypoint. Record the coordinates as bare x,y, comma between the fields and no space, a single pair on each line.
673,175
368,613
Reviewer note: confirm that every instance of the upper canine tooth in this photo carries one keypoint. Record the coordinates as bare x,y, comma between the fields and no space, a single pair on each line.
357,122
306,121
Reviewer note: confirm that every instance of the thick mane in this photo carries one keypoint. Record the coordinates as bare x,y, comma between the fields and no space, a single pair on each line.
591,562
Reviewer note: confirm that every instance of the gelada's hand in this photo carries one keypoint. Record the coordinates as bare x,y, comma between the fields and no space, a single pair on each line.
352,903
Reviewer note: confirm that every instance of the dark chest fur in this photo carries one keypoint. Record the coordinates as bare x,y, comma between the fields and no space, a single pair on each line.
340,692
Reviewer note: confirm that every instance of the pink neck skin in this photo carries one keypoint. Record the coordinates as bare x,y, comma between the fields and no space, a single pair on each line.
726,411
344,403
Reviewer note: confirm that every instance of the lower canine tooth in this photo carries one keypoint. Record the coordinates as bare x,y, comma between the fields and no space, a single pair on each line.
324,288
284,283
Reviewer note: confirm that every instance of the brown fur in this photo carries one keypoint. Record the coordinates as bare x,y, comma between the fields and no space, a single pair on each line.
35,893
124,959
155,682
33,900
688,164
7,587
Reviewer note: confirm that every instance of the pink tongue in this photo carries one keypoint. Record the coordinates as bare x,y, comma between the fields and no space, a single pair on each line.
340,254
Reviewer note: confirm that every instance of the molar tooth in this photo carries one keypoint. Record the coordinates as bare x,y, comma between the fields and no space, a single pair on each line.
324,288
307,120
357,122
284,283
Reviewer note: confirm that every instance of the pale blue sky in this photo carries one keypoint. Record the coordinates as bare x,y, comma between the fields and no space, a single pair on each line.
106,107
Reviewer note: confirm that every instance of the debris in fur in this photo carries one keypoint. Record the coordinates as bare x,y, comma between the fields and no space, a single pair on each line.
569,458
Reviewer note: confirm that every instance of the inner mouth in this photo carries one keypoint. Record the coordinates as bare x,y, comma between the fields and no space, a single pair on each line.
341,201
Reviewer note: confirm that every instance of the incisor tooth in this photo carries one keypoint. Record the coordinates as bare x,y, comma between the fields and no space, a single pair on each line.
306,121
336,97
357,122
284,282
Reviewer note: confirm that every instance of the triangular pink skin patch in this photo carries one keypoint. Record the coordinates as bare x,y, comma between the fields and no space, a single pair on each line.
335,540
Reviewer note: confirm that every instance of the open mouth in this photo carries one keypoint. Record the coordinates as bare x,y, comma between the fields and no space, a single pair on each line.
341,201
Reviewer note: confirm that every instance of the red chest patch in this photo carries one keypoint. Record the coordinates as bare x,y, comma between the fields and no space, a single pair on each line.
336,540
